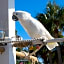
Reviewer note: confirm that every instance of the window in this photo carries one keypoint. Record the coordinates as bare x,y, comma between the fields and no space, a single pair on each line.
2,34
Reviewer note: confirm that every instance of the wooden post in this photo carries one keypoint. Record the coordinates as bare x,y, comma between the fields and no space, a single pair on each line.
8,26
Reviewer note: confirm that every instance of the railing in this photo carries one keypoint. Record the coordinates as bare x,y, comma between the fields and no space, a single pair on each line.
23,43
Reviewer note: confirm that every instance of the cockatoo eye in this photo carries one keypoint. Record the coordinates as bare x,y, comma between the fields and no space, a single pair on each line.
16,13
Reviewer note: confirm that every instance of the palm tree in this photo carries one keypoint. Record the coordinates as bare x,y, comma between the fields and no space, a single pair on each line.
53,20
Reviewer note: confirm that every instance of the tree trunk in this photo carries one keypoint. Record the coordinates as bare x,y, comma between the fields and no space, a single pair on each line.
58,48
50,57
59,55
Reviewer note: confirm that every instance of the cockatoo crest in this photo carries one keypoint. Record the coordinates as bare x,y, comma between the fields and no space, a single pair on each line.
21,15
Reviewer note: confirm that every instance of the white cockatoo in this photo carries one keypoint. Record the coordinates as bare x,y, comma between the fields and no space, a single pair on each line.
33,27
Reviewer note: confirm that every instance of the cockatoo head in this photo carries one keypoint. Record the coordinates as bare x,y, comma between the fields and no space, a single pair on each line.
20,15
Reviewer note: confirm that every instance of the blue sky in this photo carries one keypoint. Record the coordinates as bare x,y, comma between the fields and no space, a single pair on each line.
34,7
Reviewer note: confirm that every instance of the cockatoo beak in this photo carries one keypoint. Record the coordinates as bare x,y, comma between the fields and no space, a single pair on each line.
14,18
